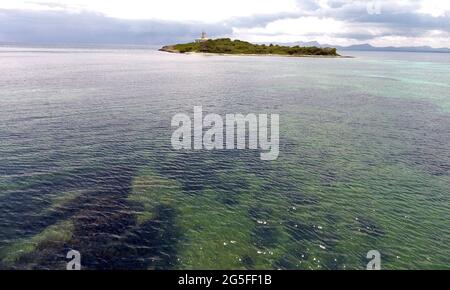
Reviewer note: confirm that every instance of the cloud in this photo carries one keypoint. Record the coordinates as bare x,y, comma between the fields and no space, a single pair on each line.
353,22
170,10
335,21
29,26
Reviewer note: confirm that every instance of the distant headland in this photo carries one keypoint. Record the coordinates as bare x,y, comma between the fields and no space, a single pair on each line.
239,47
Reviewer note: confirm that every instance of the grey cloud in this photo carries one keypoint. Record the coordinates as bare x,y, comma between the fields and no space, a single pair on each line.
24,26
390,15
394,19
59,26
260,20
337,3
308,5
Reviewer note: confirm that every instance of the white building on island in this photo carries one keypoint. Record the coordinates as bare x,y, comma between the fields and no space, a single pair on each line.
203,38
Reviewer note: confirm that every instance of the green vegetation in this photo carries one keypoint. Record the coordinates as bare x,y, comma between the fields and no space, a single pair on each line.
228,46
61,200
56,234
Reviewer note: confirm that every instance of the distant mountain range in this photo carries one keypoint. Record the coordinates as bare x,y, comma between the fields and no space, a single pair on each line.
368,47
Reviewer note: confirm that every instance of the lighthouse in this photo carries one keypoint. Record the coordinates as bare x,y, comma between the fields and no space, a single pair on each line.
203,38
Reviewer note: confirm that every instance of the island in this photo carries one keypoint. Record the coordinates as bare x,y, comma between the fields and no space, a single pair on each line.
239,47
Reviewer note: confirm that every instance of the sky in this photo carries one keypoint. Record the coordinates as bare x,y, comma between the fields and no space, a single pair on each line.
336,22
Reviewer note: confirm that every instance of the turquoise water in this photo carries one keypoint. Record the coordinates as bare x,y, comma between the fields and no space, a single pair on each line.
86,161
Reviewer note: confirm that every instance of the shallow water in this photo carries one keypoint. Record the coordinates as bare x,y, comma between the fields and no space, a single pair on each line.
86,161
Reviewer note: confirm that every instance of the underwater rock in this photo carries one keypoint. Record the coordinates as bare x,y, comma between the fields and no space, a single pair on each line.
300,198
302,232
369,227
20,253
265,236
259,212
248,262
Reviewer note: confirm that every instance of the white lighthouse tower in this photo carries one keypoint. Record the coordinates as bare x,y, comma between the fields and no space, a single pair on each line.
203,38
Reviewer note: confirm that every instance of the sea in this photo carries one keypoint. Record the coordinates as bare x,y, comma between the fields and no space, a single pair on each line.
87,164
